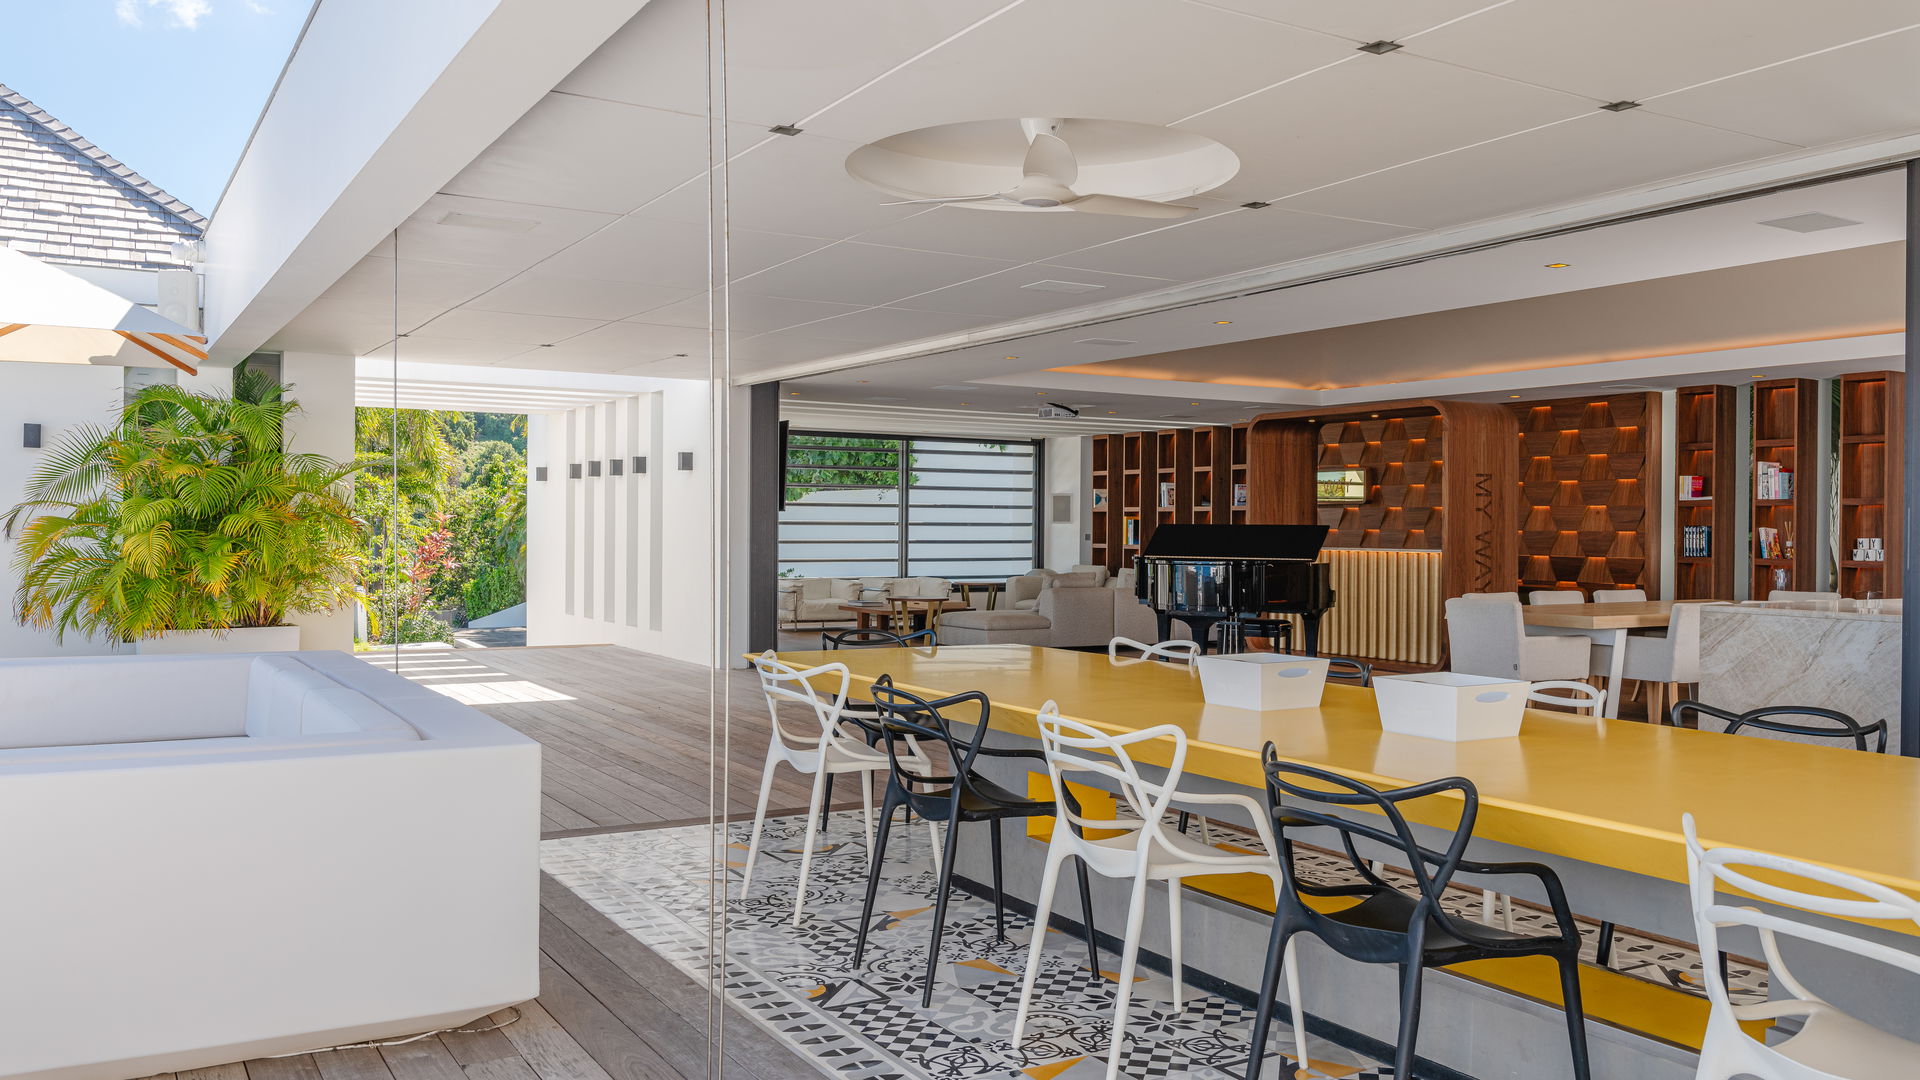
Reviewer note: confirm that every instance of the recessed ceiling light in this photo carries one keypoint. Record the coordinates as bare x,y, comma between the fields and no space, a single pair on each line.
862,382
1009,358
1620,106
1376,416
1513,395
1110,412
1380,48
966,403
1223,322
1806,223
1558,266
793,393
1756,376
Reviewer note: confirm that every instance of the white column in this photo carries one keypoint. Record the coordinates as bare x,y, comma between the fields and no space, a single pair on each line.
323,385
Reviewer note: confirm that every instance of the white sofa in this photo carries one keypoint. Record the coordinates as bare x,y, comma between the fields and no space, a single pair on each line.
1075,609
219,857
818,600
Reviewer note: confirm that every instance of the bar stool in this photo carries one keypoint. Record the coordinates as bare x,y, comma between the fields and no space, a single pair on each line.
1829,1044
961,798
1387,925
830,752
1143,851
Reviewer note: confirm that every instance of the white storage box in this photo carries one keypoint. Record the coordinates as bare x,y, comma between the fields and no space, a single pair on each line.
1262,681
1449,706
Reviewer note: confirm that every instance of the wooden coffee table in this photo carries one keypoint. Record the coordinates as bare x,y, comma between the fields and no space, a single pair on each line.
868,616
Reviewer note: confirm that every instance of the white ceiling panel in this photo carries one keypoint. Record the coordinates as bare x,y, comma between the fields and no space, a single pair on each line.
784,60
1861,90
746,314
867,274
1225,243
585,154
488,232
1145,60
421,284
1367,114
432,350
885,325
1013,235
1361,20
537,293
618,346
799,184
1629,50
469,324
344,326
1004,295
646,250
1581,158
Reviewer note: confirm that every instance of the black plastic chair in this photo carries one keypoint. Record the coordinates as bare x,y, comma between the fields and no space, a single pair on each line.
1358,672
1389,926
961,798
1844,726
872,638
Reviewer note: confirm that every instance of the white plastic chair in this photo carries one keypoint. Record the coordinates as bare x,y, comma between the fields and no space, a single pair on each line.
1145,850
832,750
1830,1045
1578,695
1183,651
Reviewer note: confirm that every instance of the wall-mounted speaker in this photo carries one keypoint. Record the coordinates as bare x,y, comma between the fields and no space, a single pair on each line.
1062,508
639,465
593,468
30,436
686,461
540,472
615,466
573,472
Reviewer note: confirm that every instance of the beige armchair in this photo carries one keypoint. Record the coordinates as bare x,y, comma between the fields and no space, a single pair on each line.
814,599
1062,615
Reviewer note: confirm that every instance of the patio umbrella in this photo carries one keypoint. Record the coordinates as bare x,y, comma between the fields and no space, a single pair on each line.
50,316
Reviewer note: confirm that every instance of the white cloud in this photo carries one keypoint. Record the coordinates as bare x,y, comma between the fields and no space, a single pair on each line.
258,8
185,14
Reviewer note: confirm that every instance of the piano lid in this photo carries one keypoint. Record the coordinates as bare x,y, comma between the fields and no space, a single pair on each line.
1297,543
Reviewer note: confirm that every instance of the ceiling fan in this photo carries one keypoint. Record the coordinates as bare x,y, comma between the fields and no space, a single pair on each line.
1048,173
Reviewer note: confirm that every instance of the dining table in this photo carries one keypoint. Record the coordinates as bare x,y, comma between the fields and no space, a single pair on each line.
1607,624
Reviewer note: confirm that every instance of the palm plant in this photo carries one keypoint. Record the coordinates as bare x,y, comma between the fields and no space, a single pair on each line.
186,514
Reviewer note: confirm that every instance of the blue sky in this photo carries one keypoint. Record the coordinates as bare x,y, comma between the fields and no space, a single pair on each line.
171,87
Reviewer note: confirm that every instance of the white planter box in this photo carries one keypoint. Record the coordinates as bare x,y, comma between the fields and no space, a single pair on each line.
244,639
1262,681
1449,706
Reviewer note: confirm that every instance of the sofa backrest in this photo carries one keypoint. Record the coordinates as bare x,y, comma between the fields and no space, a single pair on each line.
286,697
85,700
1098,570
1078,615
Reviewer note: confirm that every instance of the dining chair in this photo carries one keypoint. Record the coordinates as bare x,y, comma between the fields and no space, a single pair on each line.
1541,597
1568,694
1184,651
1619,596
874,638
1136,848
964,797
1664,661
1358,672
1843,728
1389,926
1828,1044
823,751
1485,636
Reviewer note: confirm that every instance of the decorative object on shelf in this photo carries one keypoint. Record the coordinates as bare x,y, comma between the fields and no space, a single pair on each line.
1708,497
1166,494
1785,442
1869,479
1239,496
1099,498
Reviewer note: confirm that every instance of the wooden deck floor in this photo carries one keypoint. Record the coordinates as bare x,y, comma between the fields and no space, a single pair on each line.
624,739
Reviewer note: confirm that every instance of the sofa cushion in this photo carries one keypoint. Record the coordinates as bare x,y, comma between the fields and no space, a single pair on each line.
922,587
816,588
1098,571
1080,579
997,619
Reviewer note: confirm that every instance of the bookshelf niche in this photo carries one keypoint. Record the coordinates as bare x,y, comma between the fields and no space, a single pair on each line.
1872,437
1784,501
1144,479
1704,511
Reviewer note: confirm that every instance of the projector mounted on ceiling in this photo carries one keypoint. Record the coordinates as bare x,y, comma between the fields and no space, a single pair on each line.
1053,410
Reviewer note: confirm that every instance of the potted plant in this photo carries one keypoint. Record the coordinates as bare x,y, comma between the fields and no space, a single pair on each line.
186,526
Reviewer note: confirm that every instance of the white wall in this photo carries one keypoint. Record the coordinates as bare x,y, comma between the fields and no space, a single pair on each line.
323,385
1068,461
625,560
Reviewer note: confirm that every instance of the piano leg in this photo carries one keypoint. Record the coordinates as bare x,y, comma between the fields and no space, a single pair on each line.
1165,622
1310,635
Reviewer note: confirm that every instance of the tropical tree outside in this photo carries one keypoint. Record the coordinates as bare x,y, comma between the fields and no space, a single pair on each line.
811,466
452,546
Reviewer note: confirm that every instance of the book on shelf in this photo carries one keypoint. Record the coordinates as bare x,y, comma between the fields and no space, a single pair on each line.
1768,543
1166,494
1771,482
1696,541
1130,533
1240,495
1693,487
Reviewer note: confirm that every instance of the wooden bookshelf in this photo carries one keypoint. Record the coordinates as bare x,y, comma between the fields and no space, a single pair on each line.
1139,454
1871,436
1786,424
1704,426
1238,484
1100,516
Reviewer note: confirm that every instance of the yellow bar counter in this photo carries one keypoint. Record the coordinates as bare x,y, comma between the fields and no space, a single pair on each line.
1598,799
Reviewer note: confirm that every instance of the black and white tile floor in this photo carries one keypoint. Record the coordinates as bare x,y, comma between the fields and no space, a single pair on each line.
868,1024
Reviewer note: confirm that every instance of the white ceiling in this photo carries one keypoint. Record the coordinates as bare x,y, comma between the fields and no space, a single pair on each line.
592,250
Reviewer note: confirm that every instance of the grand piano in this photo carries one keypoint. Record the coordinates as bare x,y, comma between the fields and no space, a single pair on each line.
1245,579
